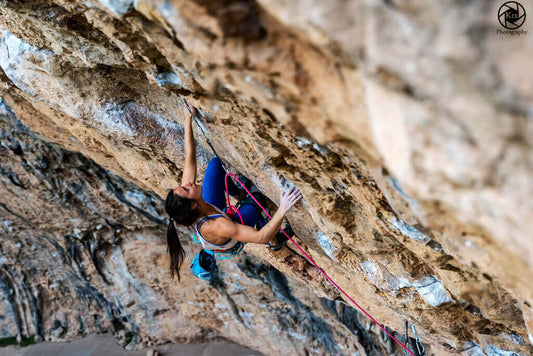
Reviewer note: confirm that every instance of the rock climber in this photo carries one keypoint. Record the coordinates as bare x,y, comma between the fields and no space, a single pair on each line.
200,207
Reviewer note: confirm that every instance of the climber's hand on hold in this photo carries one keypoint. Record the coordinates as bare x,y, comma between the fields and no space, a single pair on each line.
188,116
288,198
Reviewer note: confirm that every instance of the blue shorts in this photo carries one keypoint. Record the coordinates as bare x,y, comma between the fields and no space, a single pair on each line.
214,192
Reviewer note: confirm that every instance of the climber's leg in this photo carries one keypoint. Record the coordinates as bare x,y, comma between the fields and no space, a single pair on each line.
249,214
213,185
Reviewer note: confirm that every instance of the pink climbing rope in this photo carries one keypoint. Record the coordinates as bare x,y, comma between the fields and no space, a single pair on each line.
232,209
310,260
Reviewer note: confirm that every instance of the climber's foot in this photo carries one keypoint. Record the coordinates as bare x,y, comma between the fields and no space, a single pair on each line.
282,238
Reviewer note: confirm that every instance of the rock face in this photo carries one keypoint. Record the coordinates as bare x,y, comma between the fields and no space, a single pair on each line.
83,253
407,129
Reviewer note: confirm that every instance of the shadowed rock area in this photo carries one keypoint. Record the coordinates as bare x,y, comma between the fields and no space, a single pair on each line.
407,129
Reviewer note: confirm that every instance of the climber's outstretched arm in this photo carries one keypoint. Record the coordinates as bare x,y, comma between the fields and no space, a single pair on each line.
189,169
228,229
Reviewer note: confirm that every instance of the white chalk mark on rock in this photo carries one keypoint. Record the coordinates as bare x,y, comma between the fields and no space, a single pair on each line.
496,351
119,7
409,231
327,245
432,290
369,269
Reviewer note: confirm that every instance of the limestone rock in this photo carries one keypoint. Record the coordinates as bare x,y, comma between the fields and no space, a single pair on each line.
406,127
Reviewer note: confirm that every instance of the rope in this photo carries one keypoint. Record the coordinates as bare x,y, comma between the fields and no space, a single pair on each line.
314,264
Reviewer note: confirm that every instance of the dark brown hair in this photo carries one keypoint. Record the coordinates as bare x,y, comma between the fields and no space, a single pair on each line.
180,211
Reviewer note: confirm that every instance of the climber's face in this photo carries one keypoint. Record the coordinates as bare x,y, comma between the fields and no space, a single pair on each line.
189,191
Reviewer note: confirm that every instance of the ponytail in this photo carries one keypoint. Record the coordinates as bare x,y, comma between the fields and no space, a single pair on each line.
180,211
176,251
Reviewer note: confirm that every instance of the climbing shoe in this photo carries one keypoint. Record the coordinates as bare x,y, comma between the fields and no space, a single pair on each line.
262,217
240,193
282,239
247,183
249,200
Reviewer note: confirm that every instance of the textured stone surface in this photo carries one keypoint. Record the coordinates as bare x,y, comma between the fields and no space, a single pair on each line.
83,252
97,345
407,129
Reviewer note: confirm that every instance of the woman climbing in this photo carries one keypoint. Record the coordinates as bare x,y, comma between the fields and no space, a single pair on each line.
200,209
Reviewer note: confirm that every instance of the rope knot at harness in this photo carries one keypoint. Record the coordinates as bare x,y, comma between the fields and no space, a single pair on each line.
231,211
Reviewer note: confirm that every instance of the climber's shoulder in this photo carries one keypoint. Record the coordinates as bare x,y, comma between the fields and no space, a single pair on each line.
218,230
223,229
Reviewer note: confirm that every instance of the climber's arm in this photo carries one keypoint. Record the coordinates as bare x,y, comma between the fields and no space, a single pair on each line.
243,233
189,169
